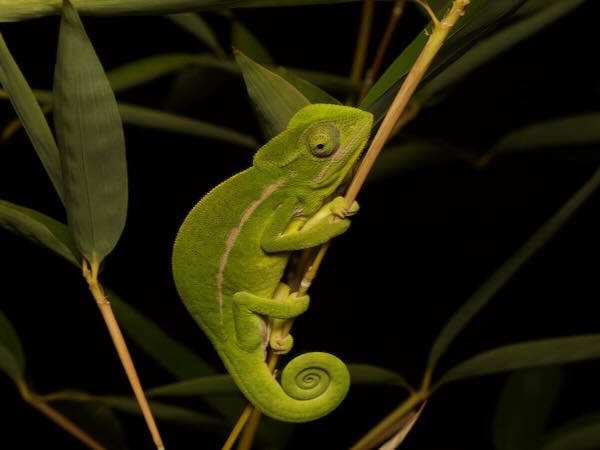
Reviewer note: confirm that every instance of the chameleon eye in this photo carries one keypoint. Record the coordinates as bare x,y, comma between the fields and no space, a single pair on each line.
322,139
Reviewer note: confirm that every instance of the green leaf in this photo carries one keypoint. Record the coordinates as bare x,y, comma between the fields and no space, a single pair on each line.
160,120
197,27
140,71
504,273
569,131
90,137
366,374
407,155
313,93
12,356
246,42
40,229
328,81
166,412
501,41
480,17
96,419
171,355
215,384
582,433
522,355
524,407
19,10
31,116
274,99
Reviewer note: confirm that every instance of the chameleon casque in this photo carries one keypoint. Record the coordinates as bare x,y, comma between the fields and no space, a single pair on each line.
232,249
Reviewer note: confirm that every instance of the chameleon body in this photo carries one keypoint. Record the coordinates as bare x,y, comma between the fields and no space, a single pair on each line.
232,249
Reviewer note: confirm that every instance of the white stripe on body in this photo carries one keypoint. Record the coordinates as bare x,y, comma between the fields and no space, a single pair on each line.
233,235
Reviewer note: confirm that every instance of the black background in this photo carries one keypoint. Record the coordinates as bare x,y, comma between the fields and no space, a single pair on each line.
423,241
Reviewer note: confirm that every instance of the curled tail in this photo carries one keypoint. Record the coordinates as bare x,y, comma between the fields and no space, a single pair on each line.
312,385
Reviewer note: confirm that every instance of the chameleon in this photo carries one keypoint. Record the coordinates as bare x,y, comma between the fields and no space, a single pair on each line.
232,249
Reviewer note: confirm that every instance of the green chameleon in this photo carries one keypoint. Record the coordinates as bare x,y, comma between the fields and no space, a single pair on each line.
232,249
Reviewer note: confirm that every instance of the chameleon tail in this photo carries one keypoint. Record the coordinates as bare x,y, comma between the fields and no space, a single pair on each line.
312,385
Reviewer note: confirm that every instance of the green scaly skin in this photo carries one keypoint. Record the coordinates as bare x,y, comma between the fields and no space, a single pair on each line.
233,247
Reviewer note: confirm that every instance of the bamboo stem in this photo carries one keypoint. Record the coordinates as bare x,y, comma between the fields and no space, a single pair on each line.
90,273
405,93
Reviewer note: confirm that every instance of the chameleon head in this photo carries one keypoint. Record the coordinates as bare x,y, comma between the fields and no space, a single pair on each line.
319,146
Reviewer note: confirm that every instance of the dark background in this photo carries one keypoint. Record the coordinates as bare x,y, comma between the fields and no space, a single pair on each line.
423,241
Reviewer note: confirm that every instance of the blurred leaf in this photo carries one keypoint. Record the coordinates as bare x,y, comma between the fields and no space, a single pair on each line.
197,27
193,86
566,131
313,93
480,17
504,273
582,433
91,142
274,99
161,411
171,355
137,72
524,406
160,120
19,10
215,384
366,374
31,116
328,81
522,355
12,356
246,42
40,229
490,47
98,420
411,154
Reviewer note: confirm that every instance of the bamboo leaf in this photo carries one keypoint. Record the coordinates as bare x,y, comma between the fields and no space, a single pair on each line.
12,356
197,27
31,116
366,374
504,273
313,93
527,354
171,355
494,45
569,131
40,229
582,433
215,384
90,137
247,43
160,120
524,407
140,71
11,10
274,99
98,420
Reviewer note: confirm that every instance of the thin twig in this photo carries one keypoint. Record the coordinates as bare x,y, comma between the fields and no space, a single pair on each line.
42,406
362,42
371,73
